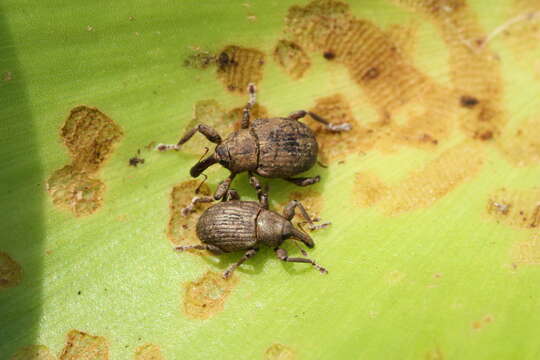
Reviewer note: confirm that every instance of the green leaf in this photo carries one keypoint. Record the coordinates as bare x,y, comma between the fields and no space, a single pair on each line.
434,247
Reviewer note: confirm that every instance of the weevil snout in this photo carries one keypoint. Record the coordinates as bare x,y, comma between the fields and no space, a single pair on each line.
303,237
202,165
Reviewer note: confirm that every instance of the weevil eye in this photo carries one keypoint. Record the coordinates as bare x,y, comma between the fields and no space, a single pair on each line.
222,154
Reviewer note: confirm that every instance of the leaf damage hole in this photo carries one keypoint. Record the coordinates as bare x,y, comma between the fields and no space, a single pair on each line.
238,66
148,352
421,188
407,101
291,58
90,136
279,352
80,345
181,229
10,272
205,297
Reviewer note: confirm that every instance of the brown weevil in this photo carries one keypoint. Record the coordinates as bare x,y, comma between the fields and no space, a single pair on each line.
274,148
235,225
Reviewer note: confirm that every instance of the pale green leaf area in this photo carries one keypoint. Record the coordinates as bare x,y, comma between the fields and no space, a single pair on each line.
407,286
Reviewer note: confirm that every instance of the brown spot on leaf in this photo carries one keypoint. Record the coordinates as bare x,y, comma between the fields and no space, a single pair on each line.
10,272
521,147
409,103
526,252
82,346
434,354
473,67
521,32
76,190
279,352
205,297
200,60
291,58
518,208
238,66
148,352
89,136
7,76
181,229
421,188
479,324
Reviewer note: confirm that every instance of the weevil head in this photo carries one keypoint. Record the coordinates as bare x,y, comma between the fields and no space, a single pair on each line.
238,152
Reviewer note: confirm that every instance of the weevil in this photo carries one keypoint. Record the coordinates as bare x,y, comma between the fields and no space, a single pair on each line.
234,225
281,147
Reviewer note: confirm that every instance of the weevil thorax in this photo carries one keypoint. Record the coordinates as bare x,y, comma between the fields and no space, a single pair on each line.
239,152
272,229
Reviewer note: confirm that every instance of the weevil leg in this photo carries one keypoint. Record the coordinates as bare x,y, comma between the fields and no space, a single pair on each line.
261,195
289,212
251,102
196,200
211,134
284,256
249,254
232,195
223,187
304,181
330,126
213,249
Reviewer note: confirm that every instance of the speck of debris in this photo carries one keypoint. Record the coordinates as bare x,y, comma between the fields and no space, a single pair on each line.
136,160
485,135
89,28
8,76
79,292
131,18
329,55
252,18
468,101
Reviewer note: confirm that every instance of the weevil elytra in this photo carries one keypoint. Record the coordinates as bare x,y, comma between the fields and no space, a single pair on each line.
235,225
274,148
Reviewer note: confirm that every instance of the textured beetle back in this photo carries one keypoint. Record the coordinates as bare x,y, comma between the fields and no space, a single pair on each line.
231,225
287,147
